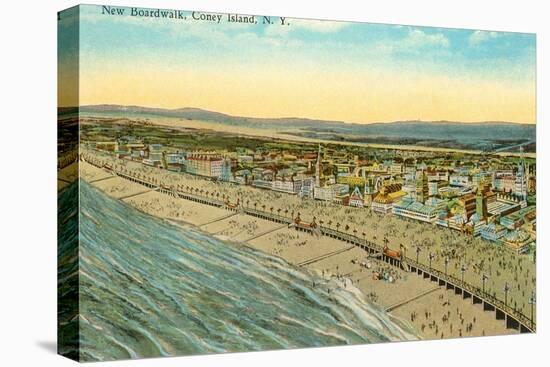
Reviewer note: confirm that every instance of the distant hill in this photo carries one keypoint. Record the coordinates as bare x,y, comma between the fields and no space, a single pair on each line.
486,135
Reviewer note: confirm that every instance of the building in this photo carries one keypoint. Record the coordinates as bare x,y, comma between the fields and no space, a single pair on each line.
262,184
226,174
475,225
457,221
504,182
459,180
449,192
289,186
175,161
330,192
434,175
396,169
341,198
207,164
383,202
492,232
307,188
503,205
245,159
517,219
434,186
468,202
518,241
409,208
127,145
356,198
155,152
440,204
242,176
442,218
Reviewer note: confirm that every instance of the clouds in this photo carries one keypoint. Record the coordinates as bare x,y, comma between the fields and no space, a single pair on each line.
411,44
478,37
312,68
321,26
363,47
417,38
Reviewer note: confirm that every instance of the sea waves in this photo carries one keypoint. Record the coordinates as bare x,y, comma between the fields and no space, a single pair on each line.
149,288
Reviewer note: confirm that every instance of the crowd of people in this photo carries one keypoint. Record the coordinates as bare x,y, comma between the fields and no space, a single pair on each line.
481,263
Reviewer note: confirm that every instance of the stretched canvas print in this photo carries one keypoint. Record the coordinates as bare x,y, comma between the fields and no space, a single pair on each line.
231,183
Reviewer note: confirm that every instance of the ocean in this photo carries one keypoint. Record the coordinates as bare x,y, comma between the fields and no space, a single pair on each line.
149,288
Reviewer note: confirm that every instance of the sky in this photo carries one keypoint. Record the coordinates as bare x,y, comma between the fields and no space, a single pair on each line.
345,71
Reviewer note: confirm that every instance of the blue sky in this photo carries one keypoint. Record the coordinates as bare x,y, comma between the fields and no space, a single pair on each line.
385,51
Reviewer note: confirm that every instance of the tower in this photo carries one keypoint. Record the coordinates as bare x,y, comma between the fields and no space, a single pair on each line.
318,168
422,191
521,182
481,201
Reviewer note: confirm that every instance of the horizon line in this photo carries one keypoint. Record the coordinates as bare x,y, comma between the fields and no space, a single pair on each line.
304,118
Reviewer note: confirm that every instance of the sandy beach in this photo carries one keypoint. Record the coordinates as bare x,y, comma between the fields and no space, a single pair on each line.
434,312
477,255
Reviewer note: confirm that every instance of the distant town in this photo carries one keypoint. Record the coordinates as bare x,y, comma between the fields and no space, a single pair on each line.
490,197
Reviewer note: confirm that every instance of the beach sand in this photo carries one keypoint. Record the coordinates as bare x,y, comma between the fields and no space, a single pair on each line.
479,256
167,207
326,256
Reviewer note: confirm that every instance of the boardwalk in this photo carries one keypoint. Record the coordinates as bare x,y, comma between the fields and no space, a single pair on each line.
513,318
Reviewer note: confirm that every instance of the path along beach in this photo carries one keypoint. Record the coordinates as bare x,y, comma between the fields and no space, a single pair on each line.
432,311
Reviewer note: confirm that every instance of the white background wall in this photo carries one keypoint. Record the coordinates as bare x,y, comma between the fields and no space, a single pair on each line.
28,181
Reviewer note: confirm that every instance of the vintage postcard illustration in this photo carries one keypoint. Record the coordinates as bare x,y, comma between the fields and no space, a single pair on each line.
233,182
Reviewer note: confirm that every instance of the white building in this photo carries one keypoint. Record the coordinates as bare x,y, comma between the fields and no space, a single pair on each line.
409,208
459,180
329,193
288,186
